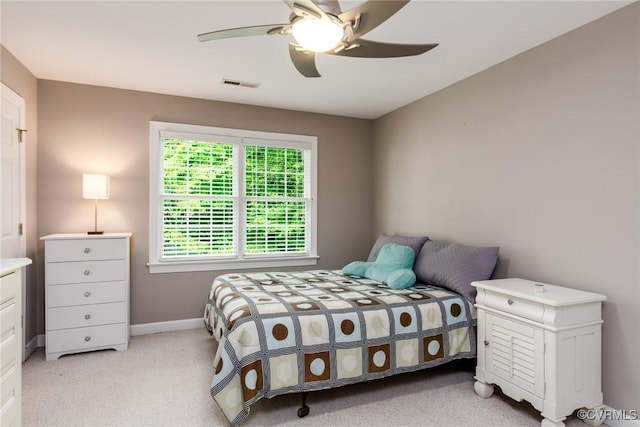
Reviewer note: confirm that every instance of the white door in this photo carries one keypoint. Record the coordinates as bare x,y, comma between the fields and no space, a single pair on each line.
13,118
12,178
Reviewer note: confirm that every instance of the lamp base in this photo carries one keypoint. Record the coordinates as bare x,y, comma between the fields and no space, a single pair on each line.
95,232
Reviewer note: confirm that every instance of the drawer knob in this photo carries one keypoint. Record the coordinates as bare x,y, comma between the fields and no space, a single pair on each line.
486,343
509,301
87,338
87,250
86,272
87,294
87,316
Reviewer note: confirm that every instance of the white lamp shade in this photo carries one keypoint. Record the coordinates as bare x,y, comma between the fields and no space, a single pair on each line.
95,186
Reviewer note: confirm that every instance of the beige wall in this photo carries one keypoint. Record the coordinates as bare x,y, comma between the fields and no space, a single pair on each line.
20,80
539,155
95,129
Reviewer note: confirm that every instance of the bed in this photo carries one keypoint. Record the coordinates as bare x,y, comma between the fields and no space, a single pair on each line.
295,332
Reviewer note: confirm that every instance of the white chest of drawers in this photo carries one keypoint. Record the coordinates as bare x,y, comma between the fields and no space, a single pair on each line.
87,292
11,340
540,343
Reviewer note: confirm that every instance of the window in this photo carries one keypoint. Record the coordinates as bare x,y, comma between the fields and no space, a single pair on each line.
228,198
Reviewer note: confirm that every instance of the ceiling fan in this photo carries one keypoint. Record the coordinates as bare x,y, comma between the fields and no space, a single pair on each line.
320,26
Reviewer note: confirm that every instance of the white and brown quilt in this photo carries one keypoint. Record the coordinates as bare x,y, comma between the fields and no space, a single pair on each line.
292,332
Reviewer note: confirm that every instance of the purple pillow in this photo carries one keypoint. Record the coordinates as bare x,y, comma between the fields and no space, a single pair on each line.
414,242
455,266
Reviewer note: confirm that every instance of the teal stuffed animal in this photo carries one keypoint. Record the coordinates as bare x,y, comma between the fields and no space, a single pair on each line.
394,266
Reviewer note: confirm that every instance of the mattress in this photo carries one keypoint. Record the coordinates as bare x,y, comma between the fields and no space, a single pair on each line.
294,332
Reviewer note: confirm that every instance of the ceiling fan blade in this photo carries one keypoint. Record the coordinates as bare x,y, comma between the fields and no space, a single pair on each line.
259,30
370,49
303,60
305,8
371,14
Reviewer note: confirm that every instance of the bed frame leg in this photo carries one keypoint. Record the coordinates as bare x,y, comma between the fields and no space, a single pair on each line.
303,411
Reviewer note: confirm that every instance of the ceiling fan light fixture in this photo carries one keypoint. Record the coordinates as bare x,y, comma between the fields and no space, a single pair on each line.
317,35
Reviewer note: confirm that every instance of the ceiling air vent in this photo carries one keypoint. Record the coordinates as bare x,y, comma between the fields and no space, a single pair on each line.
240,83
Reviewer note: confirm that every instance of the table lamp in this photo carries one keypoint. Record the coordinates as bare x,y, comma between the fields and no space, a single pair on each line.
95,186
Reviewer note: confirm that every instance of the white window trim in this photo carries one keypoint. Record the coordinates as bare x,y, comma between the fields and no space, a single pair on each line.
157,265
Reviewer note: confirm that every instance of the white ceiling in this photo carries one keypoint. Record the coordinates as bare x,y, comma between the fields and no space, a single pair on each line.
152,46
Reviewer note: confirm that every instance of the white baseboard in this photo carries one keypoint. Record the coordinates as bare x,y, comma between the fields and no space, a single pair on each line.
169,326
35,342
31,346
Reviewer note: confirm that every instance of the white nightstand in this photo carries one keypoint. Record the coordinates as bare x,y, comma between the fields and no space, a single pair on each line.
86,292
540,343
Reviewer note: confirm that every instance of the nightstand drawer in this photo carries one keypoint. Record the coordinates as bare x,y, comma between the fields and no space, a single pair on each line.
83,272
85,315
68,340
517,306
8,325
86,293
9,351
10,287
10,379
85,249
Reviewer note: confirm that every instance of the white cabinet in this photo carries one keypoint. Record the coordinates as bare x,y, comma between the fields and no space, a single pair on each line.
11,340
86,292
540,343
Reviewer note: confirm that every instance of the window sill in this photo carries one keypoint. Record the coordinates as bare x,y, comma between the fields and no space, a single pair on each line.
187,266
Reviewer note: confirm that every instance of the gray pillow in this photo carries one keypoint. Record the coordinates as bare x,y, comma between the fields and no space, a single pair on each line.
455,266
414,242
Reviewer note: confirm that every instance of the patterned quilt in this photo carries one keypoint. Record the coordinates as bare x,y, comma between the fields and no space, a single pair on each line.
292,332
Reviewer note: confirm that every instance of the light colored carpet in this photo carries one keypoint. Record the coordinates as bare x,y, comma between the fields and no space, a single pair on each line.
163,380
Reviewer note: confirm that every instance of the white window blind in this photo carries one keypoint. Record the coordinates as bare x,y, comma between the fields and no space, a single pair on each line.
198,200
237,198
276,206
